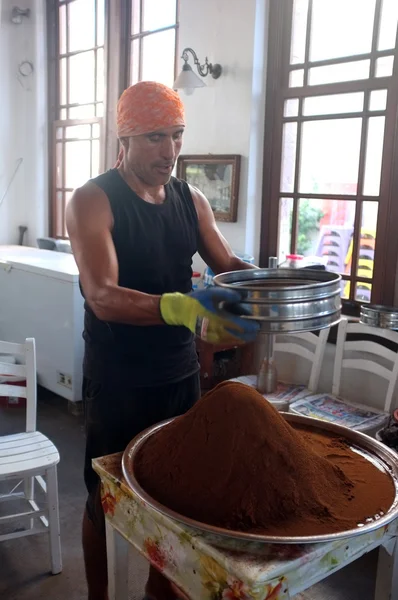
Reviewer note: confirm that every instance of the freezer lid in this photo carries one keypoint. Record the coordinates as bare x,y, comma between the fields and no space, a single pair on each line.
57,265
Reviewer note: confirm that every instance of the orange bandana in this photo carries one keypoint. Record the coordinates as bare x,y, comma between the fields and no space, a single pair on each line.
148,106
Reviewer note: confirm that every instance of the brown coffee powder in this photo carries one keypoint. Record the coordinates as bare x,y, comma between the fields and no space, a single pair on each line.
233,461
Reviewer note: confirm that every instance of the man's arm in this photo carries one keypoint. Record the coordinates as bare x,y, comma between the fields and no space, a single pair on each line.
89,222
213,247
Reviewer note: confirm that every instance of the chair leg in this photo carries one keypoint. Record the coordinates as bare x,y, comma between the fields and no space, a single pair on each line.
53,519
29,485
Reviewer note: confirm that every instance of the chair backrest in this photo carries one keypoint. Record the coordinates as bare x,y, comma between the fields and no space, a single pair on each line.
369,350
27,371
306,345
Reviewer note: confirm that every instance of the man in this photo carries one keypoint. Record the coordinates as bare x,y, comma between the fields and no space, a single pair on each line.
133,232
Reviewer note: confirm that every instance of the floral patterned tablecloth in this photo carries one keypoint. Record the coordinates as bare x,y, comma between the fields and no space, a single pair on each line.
204,570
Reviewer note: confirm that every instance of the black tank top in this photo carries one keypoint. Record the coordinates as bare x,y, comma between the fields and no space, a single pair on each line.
154,244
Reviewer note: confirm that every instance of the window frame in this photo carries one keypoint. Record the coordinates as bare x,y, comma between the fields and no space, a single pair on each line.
386,254
118,37
144,33
56,207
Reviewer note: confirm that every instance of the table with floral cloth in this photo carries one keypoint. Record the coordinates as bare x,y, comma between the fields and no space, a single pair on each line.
204,570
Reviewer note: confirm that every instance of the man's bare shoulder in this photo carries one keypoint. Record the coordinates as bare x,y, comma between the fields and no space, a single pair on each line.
201,203
199,199
88,194
88,201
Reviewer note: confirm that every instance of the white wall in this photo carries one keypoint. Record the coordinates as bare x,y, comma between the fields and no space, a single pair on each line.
226,117
23,124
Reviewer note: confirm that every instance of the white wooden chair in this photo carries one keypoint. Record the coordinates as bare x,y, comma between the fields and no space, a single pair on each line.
363,356
29,457
304,345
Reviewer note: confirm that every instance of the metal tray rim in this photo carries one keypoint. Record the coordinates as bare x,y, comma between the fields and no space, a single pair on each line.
319,279
381,452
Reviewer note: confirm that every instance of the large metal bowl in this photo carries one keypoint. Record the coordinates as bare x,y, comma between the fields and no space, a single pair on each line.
286,300
374,451
376,315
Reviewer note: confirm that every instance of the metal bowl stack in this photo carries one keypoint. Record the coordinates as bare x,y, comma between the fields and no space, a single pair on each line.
376,315
286,300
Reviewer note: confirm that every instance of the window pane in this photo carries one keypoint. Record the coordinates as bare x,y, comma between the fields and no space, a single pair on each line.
342,16
62,81
95,158
63,114
351,71
62,29
59,215
100,22
289,143
367,239
78,131
77,163
346,287
158,13
374,155
378,100
285,228
135,62
388,25
58,165
158,57
296,78
291,107
67,197
363,292
81,78
333,104
82,112
81,25
99,109
384,66
100,75
135,16
95,131
325,229
330,156
299,30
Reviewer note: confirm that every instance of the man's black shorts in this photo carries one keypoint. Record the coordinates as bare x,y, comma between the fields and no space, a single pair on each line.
114,414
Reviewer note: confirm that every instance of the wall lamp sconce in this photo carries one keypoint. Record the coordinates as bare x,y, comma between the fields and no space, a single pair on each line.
187,80
18,13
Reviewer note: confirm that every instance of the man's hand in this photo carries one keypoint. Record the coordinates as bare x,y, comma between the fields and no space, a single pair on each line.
204,314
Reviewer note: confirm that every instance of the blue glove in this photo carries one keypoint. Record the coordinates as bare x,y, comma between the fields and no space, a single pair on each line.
204,313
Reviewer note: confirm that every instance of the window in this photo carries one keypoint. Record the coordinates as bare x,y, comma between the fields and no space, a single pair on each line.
153,41
78,102
329,142
86,80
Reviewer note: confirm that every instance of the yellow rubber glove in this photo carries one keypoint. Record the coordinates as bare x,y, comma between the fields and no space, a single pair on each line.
202,312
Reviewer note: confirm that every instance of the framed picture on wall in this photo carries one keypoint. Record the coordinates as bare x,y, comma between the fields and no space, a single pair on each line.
217,177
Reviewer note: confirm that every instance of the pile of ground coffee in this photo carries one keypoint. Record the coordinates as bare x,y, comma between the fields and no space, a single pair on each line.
233,461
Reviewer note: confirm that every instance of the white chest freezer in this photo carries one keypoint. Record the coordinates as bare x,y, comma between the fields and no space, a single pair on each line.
40,298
